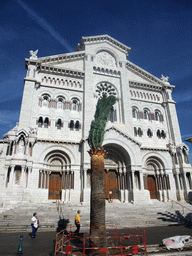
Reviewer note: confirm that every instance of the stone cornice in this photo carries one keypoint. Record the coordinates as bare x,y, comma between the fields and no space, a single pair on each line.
154,149
153,87
61,71
136,69
58,141
102,38
57,59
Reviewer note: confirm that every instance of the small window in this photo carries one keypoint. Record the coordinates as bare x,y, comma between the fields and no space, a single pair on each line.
158,134
59,123
134,113
140,132
77,126
145,114
112,115
156,115
135,131
163,134
60,103
149,133
46,122
75,104
71,125
45,102
40,121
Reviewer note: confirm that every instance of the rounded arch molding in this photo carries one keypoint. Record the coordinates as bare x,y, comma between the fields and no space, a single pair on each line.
110,51
54,150
157,158
128,150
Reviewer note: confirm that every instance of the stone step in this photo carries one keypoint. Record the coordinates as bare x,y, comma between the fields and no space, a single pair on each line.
19,218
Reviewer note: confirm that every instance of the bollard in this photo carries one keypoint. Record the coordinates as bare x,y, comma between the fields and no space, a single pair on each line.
53,249
20,248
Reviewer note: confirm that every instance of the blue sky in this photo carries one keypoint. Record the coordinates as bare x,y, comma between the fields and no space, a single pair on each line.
158,32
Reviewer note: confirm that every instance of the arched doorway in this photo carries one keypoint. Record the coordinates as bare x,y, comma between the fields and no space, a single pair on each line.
117,177
155,178
60,175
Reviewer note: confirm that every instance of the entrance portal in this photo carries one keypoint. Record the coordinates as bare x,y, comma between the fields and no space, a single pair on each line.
152,186
55,186
111,185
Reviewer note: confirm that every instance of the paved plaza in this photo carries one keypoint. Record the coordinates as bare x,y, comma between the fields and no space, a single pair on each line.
160,220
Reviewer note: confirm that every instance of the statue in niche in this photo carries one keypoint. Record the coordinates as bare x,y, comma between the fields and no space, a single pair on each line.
21,146
33,55
105,59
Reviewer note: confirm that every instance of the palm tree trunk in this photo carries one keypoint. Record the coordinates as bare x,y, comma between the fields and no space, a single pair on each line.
97,214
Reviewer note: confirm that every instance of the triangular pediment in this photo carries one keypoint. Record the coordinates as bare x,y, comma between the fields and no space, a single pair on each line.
67,61
100,39
123,134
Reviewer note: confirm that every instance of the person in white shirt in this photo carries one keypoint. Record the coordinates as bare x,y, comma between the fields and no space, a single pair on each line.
34,224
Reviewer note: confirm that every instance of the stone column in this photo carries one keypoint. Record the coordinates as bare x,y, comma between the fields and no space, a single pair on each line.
125,185
141,180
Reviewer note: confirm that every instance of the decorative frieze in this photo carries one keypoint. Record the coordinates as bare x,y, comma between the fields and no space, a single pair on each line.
61,71
63,57
147,75
106,71
53,80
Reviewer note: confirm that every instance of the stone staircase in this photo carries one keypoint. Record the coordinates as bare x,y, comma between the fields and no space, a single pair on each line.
117,214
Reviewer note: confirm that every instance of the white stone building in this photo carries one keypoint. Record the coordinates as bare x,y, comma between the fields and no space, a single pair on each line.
45,156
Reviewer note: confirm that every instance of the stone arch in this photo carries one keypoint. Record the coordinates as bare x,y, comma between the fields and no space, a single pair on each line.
109,51
117,177
156,179
62,149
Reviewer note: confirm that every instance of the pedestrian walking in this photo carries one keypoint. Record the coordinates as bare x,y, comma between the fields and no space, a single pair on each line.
34,224
77,222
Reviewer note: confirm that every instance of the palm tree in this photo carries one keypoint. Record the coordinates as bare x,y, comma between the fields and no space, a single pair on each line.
97,153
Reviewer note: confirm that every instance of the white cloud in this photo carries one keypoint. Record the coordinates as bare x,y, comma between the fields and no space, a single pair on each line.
43,23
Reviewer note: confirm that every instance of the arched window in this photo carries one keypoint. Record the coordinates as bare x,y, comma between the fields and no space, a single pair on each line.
158,134
40,121
75,103
140,132
163,134
71,125
134,112
112,115
60,102
59,123
77,126
156,115
46,122
46,99
146,112
149,133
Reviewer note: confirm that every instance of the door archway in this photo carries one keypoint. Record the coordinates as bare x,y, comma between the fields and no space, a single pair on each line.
60,175
116,163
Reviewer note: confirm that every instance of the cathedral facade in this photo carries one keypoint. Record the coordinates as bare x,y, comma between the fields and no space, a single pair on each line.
45,156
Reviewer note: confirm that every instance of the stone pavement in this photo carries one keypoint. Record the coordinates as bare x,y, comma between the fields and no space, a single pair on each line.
160,220
42,245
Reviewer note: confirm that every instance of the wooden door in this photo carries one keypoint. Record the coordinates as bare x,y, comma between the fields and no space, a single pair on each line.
54,186
111,185
152,186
